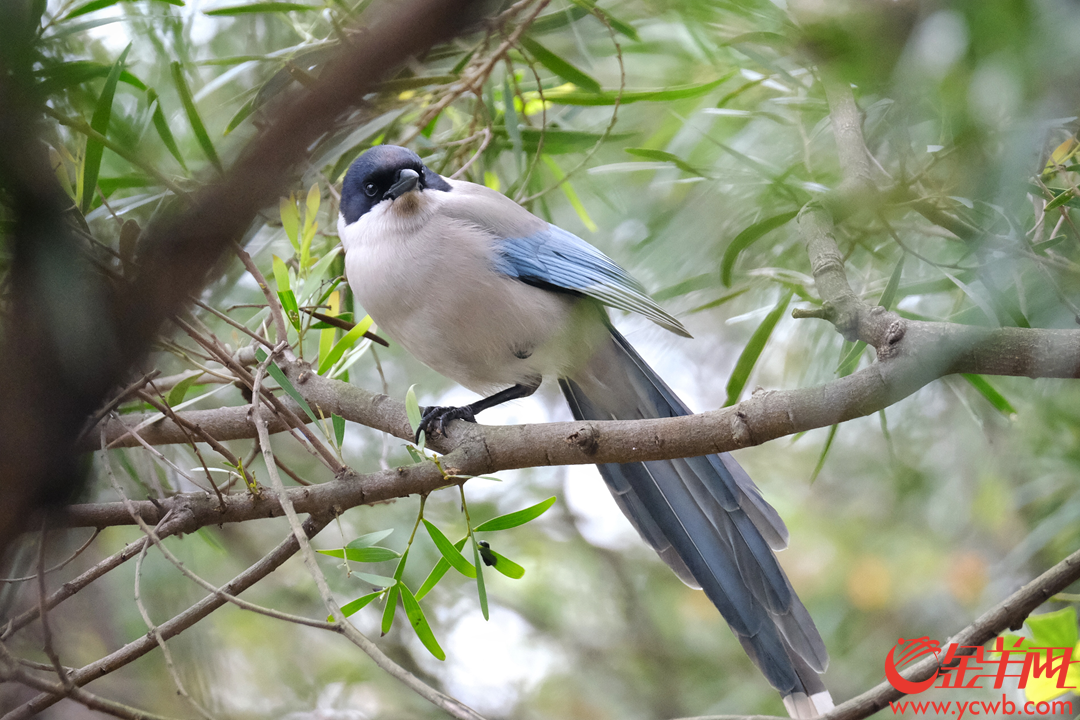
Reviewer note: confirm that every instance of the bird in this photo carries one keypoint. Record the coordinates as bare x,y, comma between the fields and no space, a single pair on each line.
495,298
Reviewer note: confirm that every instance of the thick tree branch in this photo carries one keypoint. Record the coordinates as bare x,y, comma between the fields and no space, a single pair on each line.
917,353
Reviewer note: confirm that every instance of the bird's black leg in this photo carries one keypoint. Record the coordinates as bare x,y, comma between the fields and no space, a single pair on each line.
436,416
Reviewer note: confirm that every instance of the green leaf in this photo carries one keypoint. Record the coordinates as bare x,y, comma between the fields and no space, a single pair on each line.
61,76
370,538
481,591
197,126
617,25
344,344
506,566
888,296
275,372
746,238
850,360
363,555
176,395
436,574
514,519
1060,200
571,195
390,609
412,409
988,391
663,156
377,580
339,428
561,18
510,120
1054,629
558,142
750,354
392,596
451,553
420,623
559,66
356,605
100,122
290,222
240,116
163,130
609,97
261,7
824,453
93,5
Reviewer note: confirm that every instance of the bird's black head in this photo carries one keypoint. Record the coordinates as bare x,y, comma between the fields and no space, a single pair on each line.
384,172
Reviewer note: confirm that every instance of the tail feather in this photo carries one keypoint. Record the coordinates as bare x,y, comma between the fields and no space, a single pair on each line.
707,520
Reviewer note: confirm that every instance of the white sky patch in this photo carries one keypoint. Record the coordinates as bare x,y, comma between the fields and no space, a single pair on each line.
493,663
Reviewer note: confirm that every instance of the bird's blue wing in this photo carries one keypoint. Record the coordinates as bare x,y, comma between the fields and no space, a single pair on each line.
557,258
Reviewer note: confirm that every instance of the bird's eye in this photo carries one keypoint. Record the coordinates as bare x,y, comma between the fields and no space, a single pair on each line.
370,189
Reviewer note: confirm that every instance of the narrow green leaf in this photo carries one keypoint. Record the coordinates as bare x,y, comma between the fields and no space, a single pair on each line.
557,142
561,18
93,5
888,296
746,238
100,122
392,596
176,395
516,518
570,193
162,127
390,609
510,120
261,7
617,25
412,408
451,553
752,351
609,97
506,566
481,591
824,453
438,571
559,66
290,223
1060,200
362,555
850,360
197,126
370,538
380,581
339,428
346,342
420,623
241,115
358,604
61,76
290,306
275,372
988,391
663,156
281,275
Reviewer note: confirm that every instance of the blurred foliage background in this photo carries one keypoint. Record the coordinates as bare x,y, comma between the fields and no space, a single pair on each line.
680,138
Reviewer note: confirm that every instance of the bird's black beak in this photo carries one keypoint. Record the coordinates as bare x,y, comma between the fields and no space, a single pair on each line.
406,181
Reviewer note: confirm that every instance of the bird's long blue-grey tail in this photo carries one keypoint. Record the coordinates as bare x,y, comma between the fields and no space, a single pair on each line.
708,521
